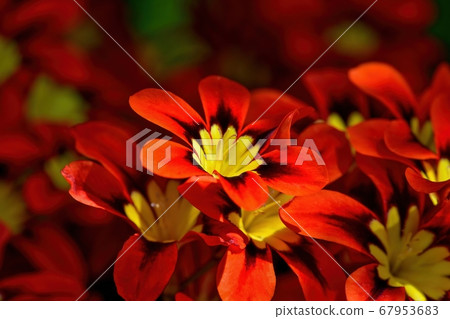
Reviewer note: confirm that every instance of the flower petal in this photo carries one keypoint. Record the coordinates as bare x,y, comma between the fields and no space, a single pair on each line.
332,91
143,269
330,216
4,238
440,84
92,185
225,102
246,275
41,195
290,175
389,179
423,185
440,113
49,248
216,233
334,147
42,285
169,112
400,140
18,148
368,139
268,117
320,277
386,84
105,143
367,278
247,190
208,196
169,159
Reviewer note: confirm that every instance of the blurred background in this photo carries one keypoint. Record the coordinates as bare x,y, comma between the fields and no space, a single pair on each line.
58,69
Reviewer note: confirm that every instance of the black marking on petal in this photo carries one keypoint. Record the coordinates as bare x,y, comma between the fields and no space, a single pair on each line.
379,287
302,252
354,226
224,117
252,253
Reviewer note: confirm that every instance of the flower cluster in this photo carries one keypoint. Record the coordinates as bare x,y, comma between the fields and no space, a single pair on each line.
266,209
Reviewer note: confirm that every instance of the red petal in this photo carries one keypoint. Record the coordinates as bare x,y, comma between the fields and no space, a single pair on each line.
247,275
423,185
54,14
18,148
330,88
399,139
330,216
51,249
169,159
260,103
291,177
92,185
320,277
41,286
62,61
4,238
216,233
439,221
41,195
368,139
247,190
207,195
288,288
440,115
367,278
169,112
195,273
180,296
225,102
439,85
389,179
334,147
294,122
105,143
386,84
143,269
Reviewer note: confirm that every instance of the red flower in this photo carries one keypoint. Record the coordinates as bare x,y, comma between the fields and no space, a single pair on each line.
147,260
408,241
247,272
419,131
230,111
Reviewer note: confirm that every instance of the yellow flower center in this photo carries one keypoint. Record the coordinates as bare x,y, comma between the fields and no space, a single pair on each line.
406,258
436,173
225,153
179,215
336,121
264,226
12,209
